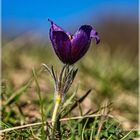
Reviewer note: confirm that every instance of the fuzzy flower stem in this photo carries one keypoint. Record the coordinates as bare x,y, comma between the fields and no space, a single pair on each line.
56,107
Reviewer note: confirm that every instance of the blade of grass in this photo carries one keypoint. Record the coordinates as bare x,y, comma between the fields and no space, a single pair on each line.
15,96
93,129
69,101
127,134
102,120
49,121
109,138
79,129
7,126
75,104
80,109
41,103
83,130
35,137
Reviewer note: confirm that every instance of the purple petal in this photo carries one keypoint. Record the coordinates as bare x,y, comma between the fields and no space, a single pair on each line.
80,42
94,34
91,32
87,29
62,45
55,27
71,48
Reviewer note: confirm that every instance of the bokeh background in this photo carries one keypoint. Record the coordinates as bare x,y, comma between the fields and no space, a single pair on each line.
110,69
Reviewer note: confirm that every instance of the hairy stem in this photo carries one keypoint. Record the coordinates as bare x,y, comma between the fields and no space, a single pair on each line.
56,107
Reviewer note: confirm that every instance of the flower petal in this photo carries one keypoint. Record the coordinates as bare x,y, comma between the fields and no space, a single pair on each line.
80,42
87,29
61,44
70,48
55,27
94,34
91,32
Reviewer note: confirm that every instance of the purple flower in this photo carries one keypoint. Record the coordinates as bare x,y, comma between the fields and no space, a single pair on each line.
70,48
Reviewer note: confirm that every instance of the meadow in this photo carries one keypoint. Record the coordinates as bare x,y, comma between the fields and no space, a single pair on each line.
102,102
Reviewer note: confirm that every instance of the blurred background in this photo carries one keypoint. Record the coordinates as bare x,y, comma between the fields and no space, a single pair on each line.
112,69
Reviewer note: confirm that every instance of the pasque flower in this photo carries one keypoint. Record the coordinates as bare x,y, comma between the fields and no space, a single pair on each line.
70,48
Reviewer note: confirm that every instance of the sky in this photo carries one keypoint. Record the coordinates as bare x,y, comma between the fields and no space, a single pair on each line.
27,14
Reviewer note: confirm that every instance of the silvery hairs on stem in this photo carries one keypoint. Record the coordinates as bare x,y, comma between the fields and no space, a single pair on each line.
63,82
